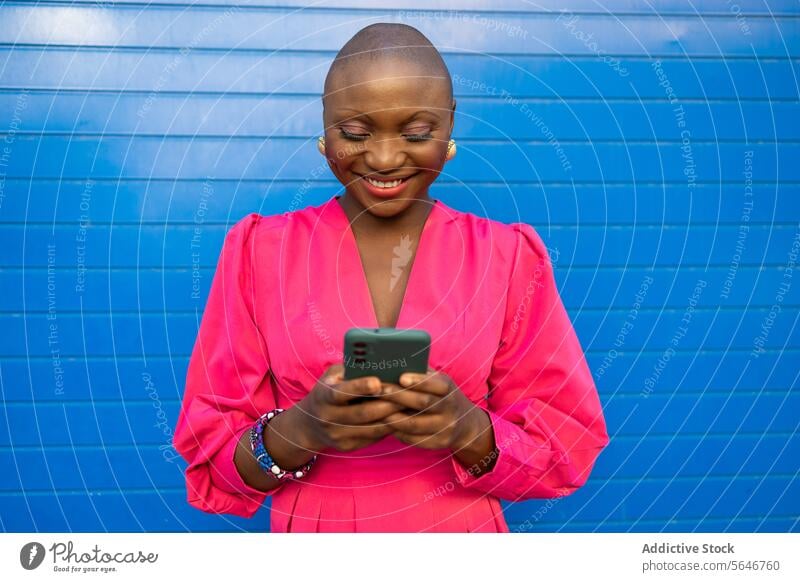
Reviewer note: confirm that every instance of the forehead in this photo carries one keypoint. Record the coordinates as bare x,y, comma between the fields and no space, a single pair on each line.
385,87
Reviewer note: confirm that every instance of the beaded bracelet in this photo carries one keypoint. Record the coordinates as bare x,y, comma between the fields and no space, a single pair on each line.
265,461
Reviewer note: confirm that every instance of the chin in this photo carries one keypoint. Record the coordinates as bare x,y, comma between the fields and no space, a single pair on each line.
385,207
386,211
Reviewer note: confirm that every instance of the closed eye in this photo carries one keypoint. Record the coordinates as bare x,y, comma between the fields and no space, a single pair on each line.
354,136
418,136
412,137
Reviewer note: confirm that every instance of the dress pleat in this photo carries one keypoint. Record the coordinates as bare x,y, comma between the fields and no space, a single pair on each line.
338,511
486,520
282,507
305,514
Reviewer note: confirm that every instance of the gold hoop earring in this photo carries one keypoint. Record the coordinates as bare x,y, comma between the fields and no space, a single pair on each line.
451,149
321,144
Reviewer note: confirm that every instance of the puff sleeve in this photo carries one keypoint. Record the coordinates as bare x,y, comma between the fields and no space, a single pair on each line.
227,383
542,402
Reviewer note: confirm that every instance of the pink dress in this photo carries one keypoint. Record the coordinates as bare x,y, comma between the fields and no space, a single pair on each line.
288,286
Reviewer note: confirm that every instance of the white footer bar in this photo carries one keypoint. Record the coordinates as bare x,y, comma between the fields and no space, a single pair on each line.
401,557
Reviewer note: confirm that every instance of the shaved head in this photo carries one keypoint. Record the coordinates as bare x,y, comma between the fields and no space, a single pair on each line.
388,111
383,42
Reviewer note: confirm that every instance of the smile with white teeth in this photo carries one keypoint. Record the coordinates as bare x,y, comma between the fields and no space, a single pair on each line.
377,184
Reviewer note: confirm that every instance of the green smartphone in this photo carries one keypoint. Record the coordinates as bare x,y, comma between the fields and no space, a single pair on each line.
385,352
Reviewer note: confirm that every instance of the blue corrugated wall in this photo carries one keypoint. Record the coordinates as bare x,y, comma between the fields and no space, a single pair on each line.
656,150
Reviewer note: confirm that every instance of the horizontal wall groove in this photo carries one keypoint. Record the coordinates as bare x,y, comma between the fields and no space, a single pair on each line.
460,96
541,226
614,266
693,478
79,447
441,180
561,224
83,136
266,7
173,312
210,269
88,402
628,437
702,435
656,525
733,392
593,352
332,53
97,492
94,492
680,393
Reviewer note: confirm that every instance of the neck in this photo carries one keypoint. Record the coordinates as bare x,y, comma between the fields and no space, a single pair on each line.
362,220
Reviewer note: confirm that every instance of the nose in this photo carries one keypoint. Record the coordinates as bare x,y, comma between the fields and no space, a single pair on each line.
385,154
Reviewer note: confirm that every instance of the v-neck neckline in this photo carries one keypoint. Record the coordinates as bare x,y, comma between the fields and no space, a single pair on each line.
357,263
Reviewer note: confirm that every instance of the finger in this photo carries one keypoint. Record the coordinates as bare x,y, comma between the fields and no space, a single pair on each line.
424,441
364,413
354,444
433,383
416,424
371,432
343,392
409,398
333,375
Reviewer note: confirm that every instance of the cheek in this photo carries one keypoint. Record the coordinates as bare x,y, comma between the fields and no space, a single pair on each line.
430,159
343,152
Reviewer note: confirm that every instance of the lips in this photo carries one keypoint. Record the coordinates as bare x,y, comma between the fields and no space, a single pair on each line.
384,183
383,191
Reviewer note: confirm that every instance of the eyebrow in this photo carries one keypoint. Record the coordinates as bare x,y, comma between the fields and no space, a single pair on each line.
365,115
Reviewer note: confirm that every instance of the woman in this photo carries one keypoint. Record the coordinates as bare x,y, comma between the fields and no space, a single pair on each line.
508,408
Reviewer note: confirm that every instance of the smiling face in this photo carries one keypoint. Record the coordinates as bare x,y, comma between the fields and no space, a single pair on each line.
387,121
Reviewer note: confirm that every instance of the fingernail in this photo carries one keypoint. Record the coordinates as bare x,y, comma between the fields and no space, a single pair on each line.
406,380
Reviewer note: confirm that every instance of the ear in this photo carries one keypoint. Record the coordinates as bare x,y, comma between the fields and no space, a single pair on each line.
452,116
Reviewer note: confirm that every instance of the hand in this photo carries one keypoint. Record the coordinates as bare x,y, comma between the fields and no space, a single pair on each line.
332,420
440,415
